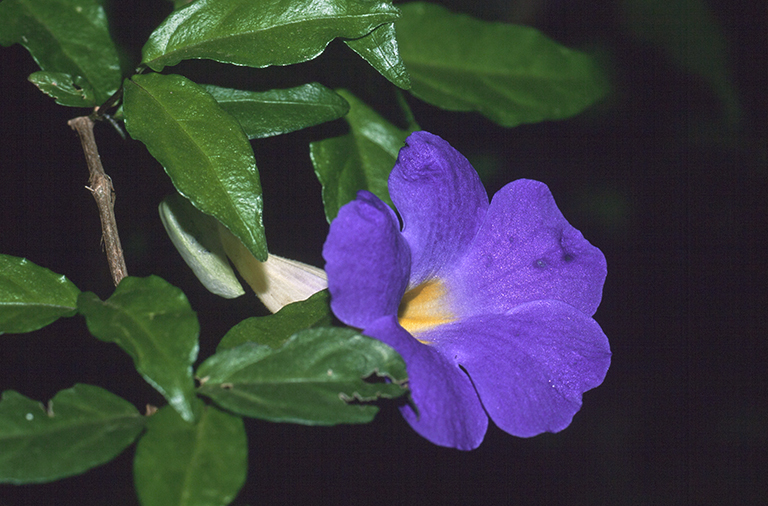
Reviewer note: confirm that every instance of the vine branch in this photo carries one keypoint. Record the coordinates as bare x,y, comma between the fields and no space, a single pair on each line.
100,186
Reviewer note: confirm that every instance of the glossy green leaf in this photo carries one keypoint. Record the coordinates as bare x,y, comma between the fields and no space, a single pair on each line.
152,321
509,73
66,89
196,237
687,32
274,330
183,464
317,378
67,36
82,427
359,160
203,150
259,33
379,48
276,112
31,296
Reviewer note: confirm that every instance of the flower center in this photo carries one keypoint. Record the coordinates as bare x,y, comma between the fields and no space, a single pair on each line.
424,307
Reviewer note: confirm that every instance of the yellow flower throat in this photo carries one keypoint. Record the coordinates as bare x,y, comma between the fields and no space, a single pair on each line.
424,307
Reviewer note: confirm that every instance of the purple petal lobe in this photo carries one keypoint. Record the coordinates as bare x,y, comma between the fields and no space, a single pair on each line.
441,201
526,251
531,366
367,261
449,412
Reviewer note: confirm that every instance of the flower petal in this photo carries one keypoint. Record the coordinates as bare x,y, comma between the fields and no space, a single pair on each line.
441,201
449,412
526,251
531,366
277,281
367,261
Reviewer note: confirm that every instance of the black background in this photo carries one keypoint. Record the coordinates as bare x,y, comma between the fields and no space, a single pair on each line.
673,194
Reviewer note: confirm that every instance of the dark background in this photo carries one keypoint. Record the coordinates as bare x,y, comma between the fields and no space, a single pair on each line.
667,184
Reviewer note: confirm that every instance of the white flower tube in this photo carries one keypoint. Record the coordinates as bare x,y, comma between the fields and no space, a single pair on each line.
278,281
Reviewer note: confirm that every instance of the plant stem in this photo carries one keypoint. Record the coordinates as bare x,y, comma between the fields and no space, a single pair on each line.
100,186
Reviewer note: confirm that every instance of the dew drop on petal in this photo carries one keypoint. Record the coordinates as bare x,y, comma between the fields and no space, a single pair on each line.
540,263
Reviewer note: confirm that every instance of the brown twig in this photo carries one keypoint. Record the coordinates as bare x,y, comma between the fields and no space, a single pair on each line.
100,186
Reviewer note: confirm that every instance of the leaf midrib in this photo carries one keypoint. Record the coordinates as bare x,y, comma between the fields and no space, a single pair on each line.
208,163
453,66
56,429
37,304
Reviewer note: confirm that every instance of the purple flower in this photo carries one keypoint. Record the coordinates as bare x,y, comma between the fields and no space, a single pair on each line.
489,305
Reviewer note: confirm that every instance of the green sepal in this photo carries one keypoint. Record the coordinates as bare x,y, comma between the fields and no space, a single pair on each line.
359,160
178,463
65,36
80,428
260,33
202,148
152,321
31,296
511,74
196,237
275,112
274,330
318,377
379,48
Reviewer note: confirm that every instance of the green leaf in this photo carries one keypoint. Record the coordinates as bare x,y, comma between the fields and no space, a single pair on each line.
274,330
66,36
379,48
196,237
152,321
359,160
31,296
276,112
259,33
71,91
182,464
316,378
203,150
509,73
82,427
687,32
